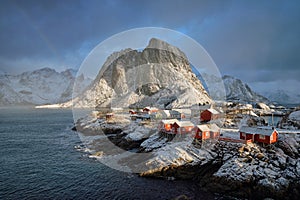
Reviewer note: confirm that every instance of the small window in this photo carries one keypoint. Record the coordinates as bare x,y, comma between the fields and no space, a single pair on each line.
262,137
207,134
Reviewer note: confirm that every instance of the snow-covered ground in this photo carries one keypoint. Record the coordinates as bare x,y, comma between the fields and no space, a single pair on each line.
295,116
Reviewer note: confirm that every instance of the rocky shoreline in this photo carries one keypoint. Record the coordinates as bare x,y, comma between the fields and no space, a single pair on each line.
249,171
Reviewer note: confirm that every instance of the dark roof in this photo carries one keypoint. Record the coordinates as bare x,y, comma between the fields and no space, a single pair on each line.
258,130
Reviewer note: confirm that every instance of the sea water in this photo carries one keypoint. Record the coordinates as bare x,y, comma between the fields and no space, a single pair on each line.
38,161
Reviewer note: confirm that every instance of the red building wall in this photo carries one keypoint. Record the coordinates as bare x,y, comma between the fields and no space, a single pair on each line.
246,137
186,129
267,139
205,115
257,138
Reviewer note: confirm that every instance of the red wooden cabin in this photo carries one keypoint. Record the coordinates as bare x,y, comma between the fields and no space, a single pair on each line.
206,131
209,114
167,125
266,135
182,127
132,112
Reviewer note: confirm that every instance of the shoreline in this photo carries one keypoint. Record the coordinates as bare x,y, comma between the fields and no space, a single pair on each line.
234,169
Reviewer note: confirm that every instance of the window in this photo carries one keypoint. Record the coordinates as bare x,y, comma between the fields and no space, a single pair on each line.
207,134
262,137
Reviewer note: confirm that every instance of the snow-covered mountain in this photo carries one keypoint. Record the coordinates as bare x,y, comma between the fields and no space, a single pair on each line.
235,89
160,75
43,86
280,91
238,90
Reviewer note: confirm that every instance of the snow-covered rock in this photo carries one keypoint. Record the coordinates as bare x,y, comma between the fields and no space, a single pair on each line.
295,116
160,76
263,106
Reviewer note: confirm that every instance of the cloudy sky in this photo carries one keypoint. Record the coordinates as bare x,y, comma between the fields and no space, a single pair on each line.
256,41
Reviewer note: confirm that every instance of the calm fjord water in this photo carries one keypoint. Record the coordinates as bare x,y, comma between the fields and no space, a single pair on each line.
38,161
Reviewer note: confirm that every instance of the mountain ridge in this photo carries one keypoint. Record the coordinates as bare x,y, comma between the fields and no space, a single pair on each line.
41,86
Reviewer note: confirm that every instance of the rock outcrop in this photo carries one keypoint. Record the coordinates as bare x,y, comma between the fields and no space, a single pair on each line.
160,76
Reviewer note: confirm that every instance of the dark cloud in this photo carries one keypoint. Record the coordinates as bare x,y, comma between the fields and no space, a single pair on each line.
256,39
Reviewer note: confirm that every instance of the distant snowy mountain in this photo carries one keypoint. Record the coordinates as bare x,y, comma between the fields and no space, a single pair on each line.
43,86
281,91
283,97
235,89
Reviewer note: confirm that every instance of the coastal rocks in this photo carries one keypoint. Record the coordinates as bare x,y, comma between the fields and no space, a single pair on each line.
255,170
180,160
235,169
292,120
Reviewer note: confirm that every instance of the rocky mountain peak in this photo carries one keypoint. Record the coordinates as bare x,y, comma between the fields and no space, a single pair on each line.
236,90
160,75
155,43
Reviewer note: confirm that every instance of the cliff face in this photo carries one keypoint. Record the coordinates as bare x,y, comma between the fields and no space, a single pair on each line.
160,76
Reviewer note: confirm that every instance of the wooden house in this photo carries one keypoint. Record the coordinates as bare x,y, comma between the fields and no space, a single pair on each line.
132,112
266,135
167,125
206,131
174,114
197,109
150,110
209,114
161,114
143,117
182,127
